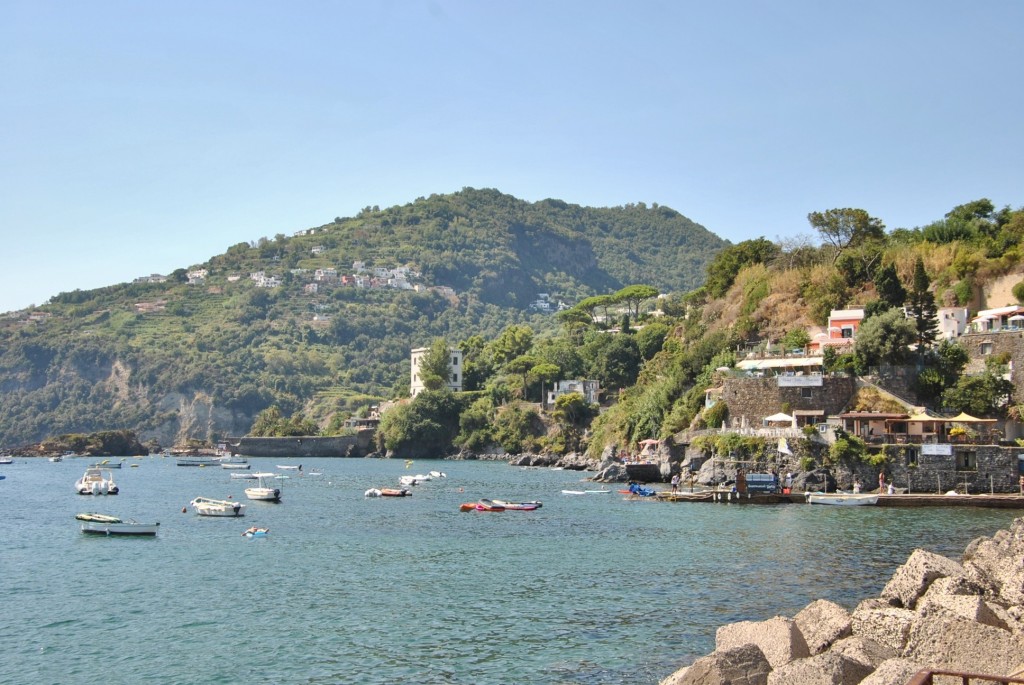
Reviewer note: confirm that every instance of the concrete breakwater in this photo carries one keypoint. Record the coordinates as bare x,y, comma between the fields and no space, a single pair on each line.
358,445
933,614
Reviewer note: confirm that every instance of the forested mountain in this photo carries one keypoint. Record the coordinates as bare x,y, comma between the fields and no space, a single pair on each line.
323,321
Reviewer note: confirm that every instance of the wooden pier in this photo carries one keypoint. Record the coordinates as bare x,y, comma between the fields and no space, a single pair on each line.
996,501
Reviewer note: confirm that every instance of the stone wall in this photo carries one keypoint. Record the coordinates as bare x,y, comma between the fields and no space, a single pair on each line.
756,398
358,445
982,468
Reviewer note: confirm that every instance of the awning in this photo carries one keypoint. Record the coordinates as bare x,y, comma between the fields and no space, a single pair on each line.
967,418
793,362
778,418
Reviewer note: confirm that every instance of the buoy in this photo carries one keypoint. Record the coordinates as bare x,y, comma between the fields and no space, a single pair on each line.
184,510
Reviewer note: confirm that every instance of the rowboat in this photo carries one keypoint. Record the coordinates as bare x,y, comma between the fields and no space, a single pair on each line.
841,499
395,492
204,506
519,506
101,524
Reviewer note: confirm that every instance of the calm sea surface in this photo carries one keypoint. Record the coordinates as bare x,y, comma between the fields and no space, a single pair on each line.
589,589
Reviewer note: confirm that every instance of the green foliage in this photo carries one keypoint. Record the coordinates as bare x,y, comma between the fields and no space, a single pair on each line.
889,288
435,365
796,339
271,424
922,308
1018,292
723,269
426,426
847,448
846,228
517,428
716,416
982,395
884,338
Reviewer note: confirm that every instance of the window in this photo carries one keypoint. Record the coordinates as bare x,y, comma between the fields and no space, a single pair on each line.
455,361
966,460
986,348
846,332
807,393
911,453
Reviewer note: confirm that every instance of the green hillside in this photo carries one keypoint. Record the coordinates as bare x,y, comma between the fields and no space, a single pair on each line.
201,353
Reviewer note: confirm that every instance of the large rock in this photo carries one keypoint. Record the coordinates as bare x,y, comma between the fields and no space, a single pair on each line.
778,638
893,672
994,563
829,668
865,650
971,608
822,623
954,643
888,627
742,665
911,580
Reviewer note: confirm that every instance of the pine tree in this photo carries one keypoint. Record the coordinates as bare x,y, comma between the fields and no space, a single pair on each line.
922,308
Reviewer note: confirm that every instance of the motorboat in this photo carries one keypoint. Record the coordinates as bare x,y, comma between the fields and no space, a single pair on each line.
395,491
290,468
518,506
205,506
243,476
101,524
107,464
414,480
262,491
237,465
842,499
6,460
96,481
56,459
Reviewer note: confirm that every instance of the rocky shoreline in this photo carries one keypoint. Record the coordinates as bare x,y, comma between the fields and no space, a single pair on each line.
933,614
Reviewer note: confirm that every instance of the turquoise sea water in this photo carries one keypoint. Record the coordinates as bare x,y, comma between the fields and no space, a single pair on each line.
588,589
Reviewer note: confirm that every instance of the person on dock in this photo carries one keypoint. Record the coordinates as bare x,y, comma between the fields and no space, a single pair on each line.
856,486
675,482
881,482
789,481
1022,485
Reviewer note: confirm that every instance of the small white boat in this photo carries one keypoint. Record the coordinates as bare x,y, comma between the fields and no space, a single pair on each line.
290,468
243,476
6,460
240,466
107,464
262,491
438,474
413,480
842,499
56,459
204,506
101,524
96,481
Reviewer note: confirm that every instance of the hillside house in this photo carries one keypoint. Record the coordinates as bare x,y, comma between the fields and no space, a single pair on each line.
455,368
953,322
999,319
589,389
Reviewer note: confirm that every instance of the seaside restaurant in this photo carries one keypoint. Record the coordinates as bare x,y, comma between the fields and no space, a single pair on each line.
920,428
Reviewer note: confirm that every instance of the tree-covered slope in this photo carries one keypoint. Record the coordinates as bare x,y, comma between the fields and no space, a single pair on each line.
203,352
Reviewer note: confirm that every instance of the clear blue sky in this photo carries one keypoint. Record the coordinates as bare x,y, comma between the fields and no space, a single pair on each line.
140,137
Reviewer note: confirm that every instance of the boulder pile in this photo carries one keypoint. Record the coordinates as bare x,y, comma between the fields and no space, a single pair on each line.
934,613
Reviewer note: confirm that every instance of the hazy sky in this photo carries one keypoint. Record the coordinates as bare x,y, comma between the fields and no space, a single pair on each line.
140,137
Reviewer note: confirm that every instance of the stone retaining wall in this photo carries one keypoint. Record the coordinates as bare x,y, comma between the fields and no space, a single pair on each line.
358,445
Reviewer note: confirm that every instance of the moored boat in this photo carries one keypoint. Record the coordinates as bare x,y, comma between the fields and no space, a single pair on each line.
842,499
197,461
96,481
518,506
101,524
289,468
262,491
243,476
395,491
237,465
205,506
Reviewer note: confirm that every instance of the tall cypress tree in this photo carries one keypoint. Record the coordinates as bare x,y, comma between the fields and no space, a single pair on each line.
889,288
923,309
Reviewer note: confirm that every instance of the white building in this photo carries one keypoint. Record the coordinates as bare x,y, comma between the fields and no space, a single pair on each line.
952,322
591,391
455,368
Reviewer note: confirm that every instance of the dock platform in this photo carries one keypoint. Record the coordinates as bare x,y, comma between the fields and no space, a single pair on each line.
996,501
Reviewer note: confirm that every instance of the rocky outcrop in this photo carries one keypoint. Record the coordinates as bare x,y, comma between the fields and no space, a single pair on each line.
934,613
